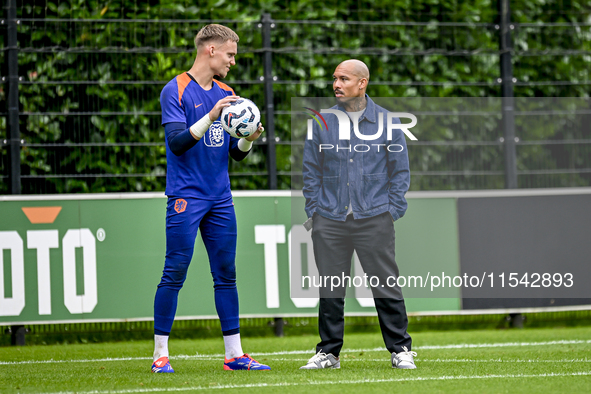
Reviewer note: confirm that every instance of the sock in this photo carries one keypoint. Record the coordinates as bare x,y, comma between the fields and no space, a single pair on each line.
160,346
233,346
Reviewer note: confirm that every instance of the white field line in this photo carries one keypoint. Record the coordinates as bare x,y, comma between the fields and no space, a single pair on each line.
502,344
447,360
92,360
347,359
416,348
311,352
327,382
498,360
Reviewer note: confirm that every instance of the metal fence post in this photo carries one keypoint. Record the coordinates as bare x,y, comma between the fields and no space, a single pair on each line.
14,137
508,107
267,24
17,335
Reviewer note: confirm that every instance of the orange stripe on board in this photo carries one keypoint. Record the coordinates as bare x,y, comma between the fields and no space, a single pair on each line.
182,81
42,214
224,86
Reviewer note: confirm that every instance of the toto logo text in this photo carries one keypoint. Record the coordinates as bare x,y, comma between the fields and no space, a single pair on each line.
42,241
345,130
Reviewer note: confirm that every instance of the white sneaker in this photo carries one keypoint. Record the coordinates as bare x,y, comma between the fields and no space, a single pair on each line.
322,360
404,360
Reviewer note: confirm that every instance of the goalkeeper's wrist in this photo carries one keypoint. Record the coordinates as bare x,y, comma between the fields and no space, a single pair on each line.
244,145
200,127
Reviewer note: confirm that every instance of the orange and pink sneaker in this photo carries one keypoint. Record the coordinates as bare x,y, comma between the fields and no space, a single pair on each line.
244,362
162,365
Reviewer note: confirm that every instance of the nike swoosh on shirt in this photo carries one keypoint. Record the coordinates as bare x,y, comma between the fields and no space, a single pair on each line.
197,106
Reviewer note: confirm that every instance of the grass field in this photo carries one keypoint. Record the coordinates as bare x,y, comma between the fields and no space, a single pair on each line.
478,361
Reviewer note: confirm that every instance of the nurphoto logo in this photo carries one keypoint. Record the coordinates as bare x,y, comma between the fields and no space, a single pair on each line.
345,130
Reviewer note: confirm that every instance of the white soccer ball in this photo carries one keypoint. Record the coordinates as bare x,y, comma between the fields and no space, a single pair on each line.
241,118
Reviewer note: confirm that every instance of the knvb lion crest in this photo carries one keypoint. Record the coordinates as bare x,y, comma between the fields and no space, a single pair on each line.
214,138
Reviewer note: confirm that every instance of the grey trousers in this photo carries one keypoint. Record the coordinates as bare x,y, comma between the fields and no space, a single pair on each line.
373,240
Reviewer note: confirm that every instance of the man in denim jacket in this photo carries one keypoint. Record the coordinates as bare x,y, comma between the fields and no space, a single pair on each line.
356,174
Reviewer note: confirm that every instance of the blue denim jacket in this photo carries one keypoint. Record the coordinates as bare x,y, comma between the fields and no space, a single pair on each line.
371,175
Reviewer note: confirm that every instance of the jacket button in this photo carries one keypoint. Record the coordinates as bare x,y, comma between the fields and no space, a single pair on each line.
346,207
347,183
351,160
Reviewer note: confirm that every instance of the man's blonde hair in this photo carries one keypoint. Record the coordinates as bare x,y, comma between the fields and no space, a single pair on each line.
217,33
